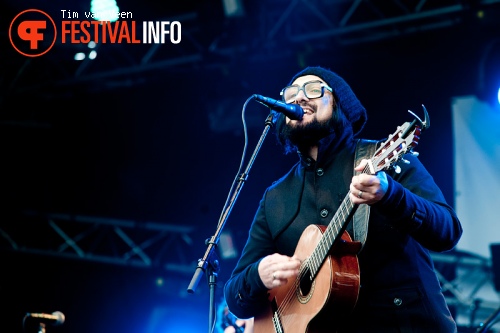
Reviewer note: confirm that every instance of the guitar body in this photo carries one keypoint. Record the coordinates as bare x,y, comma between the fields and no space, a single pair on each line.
314,306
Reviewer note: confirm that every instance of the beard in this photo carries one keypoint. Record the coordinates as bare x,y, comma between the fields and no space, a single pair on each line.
307,135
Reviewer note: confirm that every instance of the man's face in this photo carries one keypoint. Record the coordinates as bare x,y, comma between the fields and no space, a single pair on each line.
317,121
316,109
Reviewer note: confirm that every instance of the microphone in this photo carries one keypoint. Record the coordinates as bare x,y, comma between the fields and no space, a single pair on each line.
56,318
292,111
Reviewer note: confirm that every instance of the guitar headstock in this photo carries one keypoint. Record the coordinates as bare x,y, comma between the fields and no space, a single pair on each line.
401,142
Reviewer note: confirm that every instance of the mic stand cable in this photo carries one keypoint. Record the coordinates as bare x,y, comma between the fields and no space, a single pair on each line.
209,264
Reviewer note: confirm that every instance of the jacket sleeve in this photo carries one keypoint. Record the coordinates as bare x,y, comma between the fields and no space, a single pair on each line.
415,204
245,292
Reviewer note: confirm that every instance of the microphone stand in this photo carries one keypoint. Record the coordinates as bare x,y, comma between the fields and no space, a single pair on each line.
209,264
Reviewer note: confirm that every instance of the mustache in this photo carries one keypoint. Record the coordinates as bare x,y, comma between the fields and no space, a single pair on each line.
309,106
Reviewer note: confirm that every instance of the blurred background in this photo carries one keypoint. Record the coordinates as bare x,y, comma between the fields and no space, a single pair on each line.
116,159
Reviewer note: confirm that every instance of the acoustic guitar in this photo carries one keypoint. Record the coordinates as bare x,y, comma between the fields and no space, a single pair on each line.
327,286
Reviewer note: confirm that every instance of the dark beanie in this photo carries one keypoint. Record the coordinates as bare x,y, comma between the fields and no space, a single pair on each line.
344,96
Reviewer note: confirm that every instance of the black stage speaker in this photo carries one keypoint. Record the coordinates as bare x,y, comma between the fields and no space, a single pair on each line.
495,264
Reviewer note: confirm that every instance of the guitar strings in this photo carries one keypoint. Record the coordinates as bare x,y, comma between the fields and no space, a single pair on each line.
304,268
315,261
286,303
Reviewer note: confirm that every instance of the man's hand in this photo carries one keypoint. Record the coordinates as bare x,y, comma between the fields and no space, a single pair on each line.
276,269
367,189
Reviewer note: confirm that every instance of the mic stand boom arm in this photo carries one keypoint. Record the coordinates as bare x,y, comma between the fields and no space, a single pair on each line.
209,263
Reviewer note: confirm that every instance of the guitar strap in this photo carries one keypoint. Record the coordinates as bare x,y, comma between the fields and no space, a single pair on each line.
358,229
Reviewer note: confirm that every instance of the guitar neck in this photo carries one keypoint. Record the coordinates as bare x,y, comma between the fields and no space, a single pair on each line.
392,150
332,233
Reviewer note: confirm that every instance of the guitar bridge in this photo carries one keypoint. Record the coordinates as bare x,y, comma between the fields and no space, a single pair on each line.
278,327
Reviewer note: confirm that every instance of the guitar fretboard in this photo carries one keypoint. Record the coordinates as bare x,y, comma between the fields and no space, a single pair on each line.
389,152
336,226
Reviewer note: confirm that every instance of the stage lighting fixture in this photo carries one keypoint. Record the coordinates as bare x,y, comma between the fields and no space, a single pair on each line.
489,74
104,10
79,56
233,8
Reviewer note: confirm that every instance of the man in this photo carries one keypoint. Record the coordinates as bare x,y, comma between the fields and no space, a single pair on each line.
406,217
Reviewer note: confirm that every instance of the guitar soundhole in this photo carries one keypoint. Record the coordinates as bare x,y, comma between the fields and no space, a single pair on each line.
306,287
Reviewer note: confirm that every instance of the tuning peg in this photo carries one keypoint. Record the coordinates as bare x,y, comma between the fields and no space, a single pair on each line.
415,153
397,169
405,161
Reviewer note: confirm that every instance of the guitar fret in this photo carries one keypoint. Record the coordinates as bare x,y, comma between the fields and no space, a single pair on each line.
331,233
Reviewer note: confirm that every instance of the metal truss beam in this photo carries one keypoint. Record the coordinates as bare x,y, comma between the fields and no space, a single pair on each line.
349,21
384,18
116,65
467,282
149,58
277,23
99,239
271,32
